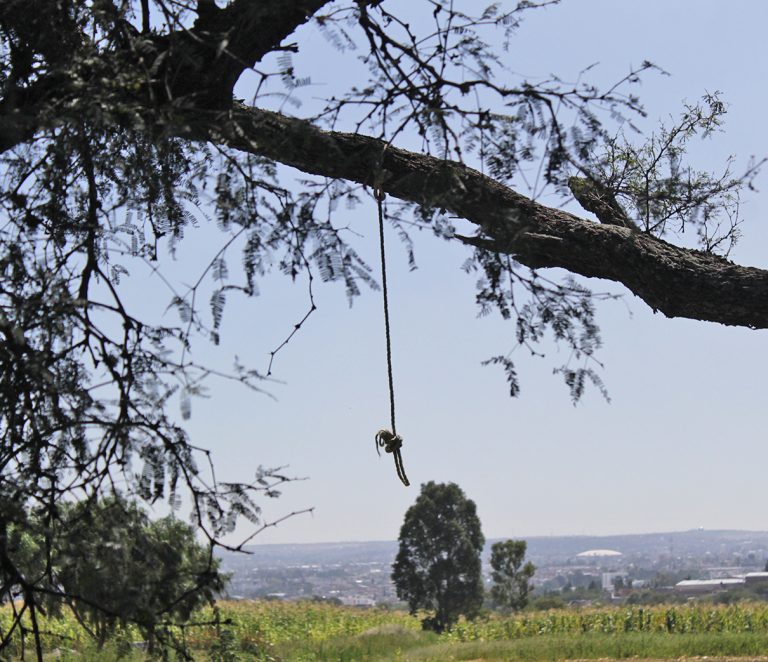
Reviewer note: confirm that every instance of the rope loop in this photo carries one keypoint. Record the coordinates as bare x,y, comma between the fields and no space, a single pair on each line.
392,443
389,441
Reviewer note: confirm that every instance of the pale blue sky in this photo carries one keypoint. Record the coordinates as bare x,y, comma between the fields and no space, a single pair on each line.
683,442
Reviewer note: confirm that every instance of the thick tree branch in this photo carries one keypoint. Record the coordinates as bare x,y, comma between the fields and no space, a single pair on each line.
25,110
257,28
200,64
239,35
676,281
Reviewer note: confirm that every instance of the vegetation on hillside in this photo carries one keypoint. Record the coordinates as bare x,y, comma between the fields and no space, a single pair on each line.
311,631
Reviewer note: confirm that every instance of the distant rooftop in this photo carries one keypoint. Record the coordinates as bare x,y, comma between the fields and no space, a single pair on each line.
724,581
592,553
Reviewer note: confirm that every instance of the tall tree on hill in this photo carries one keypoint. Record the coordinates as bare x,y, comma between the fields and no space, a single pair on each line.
438,567
118,122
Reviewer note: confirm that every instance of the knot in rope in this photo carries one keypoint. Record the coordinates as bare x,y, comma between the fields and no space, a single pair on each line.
392,443
389,441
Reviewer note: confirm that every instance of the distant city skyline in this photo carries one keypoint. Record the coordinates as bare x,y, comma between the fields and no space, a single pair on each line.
682,444
359,573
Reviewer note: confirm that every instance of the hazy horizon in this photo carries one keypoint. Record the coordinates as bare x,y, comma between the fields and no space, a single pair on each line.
255,543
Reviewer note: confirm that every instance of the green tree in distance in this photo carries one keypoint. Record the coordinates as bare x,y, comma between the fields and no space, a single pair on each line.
438,567
511,575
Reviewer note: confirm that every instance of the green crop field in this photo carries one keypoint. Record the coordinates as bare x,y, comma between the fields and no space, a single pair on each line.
309,631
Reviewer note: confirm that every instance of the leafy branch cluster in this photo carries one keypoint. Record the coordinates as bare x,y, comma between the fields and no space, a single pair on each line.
664,195
442,84
540,307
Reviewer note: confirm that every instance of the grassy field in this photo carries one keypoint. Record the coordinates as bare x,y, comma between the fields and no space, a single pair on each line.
314,632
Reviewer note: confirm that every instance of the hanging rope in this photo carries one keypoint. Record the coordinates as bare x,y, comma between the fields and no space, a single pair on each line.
391,442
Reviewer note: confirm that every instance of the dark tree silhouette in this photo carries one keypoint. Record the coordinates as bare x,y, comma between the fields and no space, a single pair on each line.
438,567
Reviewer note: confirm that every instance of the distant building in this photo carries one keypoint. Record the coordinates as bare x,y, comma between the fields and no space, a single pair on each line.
704,586
609,580
357,601
598,553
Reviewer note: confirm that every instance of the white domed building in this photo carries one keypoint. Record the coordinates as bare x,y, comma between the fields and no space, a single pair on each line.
598,554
